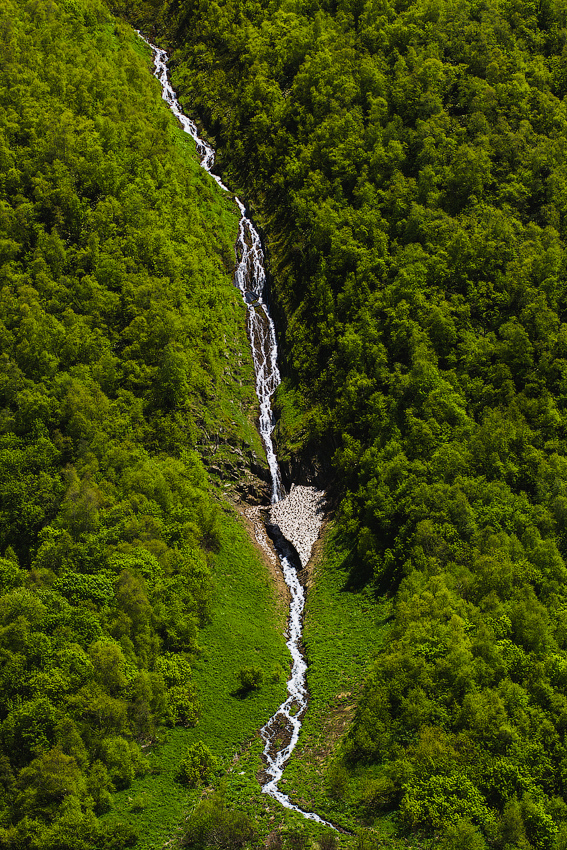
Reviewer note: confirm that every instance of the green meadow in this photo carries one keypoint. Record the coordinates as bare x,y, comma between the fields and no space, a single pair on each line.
244,630
343,631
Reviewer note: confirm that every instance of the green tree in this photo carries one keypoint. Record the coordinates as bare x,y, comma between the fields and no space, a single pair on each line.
197,766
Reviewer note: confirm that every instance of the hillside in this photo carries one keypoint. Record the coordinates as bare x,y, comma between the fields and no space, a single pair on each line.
124,368
406,160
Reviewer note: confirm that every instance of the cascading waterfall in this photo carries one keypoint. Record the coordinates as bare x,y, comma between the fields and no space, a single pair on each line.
250,278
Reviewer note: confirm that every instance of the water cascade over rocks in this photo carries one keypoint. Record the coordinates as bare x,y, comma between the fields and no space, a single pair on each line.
297,516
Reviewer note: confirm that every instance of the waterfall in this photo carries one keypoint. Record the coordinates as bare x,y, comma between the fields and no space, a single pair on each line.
250,278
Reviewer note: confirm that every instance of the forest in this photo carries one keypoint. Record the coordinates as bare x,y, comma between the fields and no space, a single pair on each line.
407,163
117,316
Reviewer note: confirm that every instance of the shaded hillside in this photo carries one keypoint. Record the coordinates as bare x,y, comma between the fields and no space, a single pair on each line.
407,160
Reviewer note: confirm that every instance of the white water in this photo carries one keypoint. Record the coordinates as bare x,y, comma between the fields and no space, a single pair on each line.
250,277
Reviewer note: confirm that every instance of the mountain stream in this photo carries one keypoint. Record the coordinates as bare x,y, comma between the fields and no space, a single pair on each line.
297,515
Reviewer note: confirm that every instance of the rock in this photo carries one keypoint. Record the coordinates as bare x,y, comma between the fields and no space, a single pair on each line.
261,471
298,517
282,545
253,491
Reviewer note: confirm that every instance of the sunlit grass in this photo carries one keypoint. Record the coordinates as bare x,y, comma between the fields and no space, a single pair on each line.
343,632
243,631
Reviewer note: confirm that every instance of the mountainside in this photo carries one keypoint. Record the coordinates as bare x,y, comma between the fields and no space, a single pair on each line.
124,366
407,161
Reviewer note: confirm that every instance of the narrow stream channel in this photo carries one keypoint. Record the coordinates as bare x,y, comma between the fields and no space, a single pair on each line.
281,732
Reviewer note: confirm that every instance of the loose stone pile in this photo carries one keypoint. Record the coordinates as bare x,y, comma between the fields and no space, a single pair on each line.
299,516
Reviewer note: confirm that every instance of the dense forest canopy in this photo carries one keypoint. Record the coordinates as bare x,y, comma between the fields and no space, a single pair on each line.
408,163
116,319
407,159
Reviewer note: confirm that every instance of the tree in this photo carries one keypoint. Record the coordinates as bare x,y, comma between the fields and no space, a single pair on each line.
197,766
46,782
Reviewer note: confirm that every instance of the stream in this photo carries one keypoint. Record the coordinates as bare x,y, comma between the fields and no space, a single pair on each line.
281,732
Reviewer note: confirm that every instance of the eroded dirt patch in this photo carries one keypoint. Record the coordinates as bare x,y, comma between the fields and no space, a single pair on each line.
255,526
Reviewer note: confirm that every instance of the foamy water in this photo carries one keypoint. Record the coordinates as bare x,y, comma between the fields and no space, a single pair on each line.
250,278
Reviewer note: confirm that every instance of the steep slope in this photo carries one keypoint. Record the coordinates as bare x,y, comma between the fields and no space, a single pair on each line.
407,160
124,362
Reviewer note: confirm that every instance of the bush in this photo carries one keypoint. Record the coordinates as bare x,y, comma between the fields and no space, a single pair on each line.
182,706
463,834
297,838
336,780
278,675
441,800
379,794
365,840
99,787
213,825
139,803
328,841
124,761
197,767
561,840
274,841
250,678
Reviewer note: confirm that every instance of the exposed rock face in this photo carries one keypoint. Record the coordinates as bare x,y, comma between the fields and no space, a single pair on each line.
299,517
307,469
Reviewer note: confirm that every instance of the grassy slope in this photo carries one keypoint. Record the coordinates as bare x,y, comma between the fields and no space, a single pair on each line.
344,631
244,629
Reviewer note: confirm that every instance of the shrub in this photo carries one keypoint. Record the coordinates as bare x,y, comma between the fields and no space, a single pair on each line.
297,839
274,841
123,760
379,794
182,706
198,765
328,841
463,834
441,800
174,667
277,675
99,786
213,825
139,802
337,780
250,678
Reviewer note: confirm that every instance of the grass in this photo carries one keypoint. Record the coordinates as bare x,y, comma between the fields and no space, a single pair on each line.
244,631
343,632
